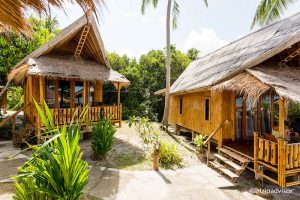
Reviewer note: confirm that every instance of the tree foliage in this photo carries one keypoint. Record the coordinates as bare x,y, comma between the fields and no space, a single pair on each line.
146,76
14,47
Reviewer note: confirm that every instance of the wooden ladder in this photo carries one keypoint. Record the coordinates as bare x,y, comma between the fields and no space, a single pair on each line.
82,39
229,163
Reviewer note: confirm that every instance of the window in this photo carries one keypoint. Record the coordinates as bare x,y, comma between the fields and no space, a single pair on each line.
64,94
207,107
50,93
180,105
78,93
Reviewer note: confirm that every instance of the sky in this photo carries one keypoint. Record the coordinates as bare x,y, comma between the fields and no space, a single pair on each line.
126,31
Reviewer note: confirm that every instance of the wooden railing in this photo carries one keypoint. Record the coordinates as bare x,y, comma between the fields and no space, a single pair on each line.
65,115
279,157
220,139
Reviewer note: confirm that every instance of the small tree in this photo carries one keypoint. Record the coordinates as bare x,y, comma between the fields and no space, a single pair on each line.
102,137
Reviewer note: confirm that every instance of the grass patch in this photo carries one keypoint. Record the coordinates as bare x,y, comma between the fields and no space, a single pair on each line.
127,160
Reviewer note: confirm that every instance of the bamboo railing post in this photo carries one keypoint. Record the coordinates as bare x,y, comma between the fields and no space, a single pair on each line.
282,162
13,130
208,152
256,155
220,139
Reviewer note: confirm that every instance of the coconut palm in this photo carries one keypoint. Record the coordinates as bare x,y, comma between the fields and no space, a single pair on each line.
172,9
270,10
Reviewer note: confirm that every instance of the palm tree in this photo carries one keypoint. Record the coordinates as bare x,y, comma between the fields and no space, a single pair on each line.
270,10
172,8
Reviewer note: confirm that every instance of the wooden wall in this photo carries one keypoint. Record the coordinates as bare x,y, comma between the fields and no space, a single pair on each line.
222,107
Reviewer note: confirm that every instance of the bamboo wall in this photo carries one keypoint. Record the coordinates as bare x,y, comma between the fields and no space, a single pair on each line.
222,107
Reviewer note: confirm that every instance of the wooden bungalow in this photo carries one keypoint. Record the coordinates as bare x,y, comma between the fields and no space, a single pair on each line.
238,97
68,73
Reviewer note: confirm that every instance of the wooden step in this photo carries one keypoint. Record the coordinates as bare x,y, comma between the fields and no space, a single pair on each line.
229,162
223,169
237,157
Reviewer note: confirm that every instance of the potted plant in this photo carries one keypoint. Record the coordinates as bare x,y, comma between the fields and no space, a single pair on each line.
198,141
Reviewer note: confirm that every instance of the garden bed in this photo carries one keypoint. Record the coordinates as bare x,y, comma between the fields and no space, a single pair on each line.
130,153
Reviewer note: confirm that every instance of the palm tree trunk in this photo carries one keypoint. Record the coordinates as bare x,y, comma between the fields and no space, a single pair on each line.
168,65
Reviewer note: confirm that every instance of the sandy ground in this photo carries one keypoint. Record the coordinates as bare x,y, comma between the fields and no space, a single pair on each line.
132,177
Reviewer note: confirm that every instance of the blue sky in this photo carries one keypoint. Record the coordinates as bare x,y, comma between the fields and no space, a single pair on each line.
126,31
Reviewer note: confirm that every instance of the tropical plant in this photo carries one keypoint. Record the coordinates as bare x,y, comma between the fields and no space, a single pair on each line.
172,9
102,137
15,98
145,128
198,141
169,155
56,169
270,10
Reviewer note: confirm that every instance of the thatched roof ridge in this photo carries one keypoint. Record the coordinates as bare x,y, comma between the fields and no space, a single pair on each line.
265,79
239,55
63,67
67,34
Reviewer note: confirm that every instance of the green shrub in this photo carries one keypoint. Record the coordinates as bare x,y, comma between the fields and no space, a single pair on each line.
198,141
55,169
169,155
145,128
102,137
15,98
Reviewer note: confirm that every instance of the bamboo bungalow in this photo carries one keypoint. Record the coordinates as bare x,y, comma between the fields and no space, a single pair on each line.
238,97
67,72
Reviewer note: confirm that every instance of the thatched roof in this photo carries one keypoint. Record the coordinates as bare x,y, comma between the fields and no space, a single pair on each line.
239,55
263,80
69,68
13,12
160,92
55,58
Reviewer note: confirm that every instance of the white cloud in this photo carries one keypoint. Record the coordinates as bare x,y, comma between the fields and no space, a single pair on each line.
206,41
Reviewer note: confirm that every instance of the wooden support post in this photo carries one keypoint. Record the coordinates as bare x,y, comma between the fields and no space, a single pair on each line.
72,93
156,157
244,120
42,90
255,140
30,97
272,112
220,139
85,92
281,118
282,162
119,103
259,115
208,152
56,93
13,130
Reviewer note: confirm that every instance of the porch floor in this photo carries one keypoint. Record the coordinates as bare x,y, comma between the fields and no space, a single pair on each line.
245,148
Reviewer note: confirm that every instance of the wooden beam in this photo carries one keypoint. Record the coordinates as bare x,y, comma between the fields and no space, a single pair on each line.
85,92
281,117
244,120
81,41
42,90
259,115
290,56
272,112
72,93
56,93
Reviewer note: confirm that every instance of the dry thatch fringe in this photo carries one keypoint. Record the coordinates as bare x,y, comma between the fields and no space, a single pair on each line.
12,12
246,85
18,74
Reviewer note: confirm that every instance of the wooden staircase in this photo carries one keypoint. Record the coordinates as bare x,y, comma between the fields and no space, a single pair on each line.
229,163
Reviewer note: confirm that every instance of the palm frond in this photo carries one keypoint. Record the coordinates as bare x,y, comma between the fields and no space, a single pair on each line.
145,3
270,10
175,14
13,12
